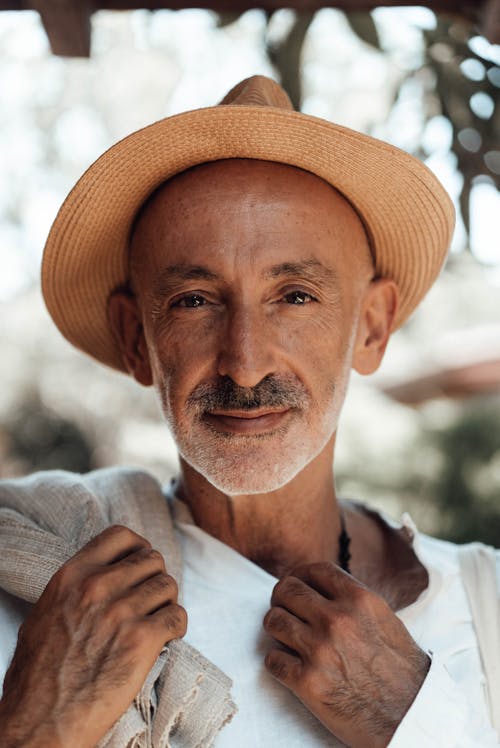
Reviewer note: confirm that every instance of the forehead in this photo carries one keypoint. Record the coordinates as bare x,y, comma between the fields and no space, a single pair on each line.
244,211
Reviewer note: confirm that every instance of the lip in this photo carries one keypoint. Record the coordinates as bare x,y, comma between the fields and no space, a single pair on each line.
246,422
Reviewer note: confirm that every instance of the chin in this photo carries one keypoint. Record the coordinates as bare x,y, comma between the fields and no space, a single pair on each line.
232,484
252,471
258,464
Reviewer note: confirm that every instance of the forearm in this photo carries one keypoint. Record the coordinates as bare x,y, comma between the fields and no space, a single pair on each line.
17,732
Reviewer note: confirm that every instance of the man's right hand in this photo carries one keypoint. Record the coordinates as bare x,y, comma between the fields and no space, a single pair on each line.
84,651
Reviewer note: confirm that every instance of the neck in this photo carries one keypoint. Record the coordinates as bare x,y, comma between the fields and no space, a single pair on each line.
299,523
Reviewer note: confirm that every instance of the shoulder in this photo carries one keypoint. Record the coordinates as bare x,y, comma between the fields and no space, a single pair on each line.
72,505
476,563
450,551
65,489
57,480
47,516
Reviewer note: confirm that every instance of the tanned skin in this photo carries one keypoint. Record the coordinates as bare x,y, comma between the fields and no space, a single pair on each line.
272,283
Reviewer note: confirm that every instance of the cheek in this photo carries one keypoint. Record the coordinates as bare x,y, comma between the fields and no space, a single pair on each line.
329,362
322,344
178,359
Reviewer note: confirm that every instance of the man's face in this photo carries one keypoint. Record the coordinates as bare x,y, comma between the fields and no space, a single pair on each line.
249,277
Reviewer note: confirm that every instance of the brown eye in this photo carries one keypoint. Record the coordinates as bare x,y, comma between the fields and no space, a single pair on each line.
190,302
298,298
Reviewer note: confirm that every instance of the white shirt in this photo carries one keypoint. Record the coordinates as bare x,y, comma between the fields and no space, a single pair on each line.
226,596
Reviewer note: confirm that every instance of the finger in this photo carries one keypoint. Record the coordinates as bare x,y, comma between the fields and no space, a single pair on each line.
285,667
133,569
109,546
298,597
289,630
168,622
327,578
148,597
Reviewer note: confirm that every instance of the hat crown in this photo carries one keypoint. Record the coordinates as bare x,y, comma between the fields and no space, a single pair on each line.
258,91
407,213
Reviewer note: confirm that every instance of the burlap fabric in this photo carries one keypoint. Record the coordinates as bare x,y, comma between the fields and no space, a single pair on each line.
44,520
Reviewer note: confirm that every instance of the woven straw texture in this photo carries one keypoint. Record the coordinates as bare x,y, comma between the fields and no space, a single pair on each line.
406,211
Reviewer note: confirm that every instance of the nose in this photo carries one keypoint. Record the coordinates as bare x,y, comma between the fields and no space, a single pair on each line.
246,352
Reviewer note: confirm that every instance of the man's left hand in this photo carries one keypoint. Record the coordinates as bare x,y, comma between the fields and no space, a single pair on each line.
346,655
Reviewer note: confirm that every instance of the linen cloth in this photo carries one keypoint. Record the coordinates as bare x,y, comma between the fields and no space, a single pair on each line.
44,520
226,596
478,567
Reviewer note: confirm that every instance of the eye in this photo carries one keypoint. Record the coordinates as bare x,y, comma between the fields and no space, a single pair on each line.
299,298
192,301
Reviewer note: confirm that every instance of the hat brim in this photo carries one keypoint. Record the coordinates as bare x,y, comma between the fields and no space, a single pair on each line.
406,211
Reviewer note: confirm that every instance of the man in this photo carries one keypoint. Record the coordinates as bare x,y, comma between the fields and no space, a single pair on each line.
242,259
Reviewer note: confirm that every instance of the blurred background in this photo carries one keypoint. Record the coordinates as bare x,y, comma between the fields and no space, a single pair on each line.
423,434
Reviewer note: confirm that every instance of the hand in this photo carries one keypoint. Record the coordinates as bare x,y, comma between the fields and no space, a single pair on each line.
346,655
84,651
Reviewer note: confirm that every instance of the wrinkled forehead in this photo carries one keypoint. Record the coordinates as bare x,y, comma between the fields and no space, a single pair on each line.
238,174
238,195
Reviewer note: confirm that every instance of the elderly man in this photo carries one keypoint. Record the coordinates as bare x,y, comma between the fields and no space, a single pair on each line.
242,259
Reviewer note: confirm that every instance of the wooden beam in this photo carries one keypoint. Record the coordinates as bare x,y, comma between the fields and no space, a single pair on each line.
490,21
469,9
67,24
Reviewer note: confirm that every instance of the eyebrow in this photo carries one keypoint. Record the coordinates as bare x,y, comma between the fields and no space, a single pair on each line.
172,274
311,269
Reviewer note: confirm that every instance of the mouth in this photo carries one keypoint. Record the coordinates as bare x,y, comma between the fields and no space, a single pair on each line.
246,421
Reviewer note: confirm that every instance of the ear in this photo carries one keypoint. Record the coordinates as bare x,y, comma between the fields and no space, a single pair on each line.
125,320
376,318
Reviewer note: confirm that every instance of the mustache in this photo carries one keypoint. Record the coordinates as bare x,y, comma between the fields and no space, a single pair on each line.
270,392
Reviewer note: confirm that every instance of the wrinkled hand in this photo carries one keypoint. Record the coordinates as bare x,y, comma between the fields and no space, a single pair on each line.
84,651
346,655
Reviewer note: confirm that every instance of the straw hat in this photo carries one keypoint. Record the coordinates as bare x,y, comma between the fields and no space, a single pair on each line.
406,212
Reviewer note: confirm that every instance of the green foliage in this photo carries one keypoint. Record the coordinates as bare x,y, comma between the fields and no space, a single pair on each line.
466,91
466,486
458,82
38,439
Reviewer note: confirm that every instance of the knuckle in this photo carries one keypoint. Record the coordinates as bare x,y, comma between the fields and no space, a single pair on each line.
276,666
369,604
324,566
364,597
131,637
287,583
287,586
168,583
62,578
162,584
336,621
176,619
145,555
311,683
113,616
294,586
126,534
183,620
92,589
283,668
155,555
276,620
119,529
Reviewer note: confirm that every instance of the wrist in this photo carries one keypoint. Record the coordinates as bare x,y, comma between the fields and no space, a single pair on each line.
15,733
